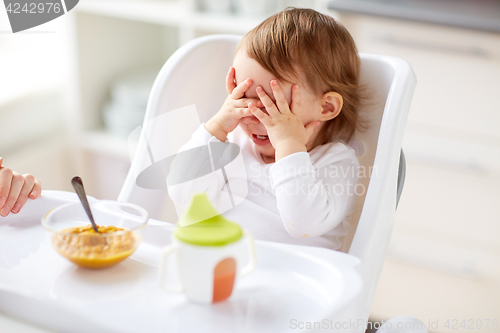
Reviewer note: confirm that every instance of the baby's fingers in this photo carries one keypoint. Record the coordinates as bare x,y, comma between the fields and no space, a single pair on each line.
240,89
267,101
244,112
262,116
279,96
230,85
243,102
296,103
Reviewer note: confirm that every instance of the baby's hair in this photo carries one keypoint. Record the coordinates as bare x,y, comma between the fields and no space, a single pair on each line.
302,43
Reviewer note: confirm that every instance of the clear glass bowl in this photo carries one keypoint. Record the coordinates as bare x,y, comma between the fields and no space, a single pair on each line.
74,238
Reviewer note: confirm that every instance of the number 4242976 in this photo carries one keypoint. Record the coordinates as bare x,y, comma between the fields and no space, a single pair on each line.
471,324
34,8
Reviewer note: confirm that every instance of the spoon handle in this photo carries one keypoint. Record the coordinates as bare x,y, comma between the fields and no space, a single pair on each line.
80,191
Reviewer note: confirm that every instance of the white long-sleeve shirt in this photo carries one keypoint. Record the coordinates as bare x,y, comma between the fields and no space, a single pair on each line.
305,198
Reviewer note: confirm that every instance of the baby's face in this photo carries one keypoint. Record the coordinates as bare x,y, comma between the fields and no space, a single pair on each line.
245,67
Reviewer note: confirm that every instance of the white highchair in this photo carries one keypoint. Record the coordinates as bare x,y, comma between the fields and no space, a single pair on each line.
195,75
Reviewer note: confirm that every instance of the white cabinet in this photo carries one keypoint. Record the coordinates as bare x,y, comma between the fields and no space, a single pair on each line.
444,256
457,71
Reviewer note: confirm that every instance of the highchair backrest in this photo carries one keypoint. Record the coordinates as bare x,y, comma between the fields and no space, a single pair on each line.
190,88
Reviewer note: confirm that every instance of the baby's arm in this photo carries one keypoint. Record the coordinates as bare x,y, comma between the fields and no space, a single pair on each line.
15,190
212,182
216,130
313,201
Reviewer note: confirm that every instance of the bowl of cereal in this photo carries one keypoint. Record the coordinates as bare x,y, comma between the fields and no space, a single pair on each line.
121,229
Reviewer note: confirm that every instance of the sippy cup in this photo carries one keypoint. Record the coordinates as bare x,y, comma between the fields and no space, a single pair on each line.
209,251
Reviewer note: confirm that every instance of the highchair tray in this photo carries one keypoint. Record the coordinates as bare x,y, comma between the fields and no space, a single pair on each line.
290,285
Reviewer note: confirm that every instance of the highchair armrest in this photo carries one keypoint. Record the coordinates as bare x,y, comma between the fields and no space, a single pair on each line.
38,207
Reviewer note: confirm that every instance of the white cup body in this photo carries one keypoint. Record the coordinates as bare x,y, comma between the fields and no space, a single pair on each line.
196,266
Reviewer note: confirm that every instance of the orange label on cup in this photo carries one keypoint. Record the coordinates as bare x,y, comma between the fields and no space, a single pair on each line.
224,275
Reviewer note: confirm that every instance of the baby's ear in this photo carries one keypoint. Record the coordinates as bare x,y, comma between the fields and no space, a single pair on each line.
331,102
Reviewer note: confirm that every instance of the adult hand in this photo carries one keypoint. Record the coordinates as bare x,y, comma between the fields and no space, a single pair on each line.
15,189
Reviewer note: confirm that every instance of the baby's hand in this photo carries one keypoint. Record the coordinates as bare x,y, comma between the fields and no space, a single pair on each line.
285,129
15,189
235,107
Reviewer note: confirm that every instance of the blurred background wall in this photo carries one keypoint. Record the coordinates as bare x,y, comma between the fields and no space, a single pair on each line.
72,90
33,73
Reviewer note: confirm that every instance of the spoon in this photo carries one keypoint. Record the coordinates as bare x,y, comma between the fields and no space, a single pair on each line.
80,191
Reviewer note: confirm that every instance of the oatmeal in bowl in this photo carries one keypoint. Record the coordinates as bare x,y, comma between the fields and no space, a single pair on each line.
120,231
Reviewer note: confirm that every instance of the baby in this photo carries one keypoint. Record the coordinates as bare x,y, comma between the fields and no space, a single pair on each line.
292,105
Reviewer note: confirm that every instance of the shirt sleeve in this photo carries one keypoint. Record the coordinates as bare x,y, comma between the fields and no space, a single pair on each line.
312,201
212,183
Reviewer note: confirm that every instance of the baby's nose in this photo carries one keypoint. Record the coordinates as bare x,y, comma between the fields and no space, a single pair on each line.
251,120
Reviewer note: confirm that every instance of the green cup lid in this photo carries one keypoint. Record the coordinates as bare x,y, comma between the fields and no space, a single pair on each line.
201,224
